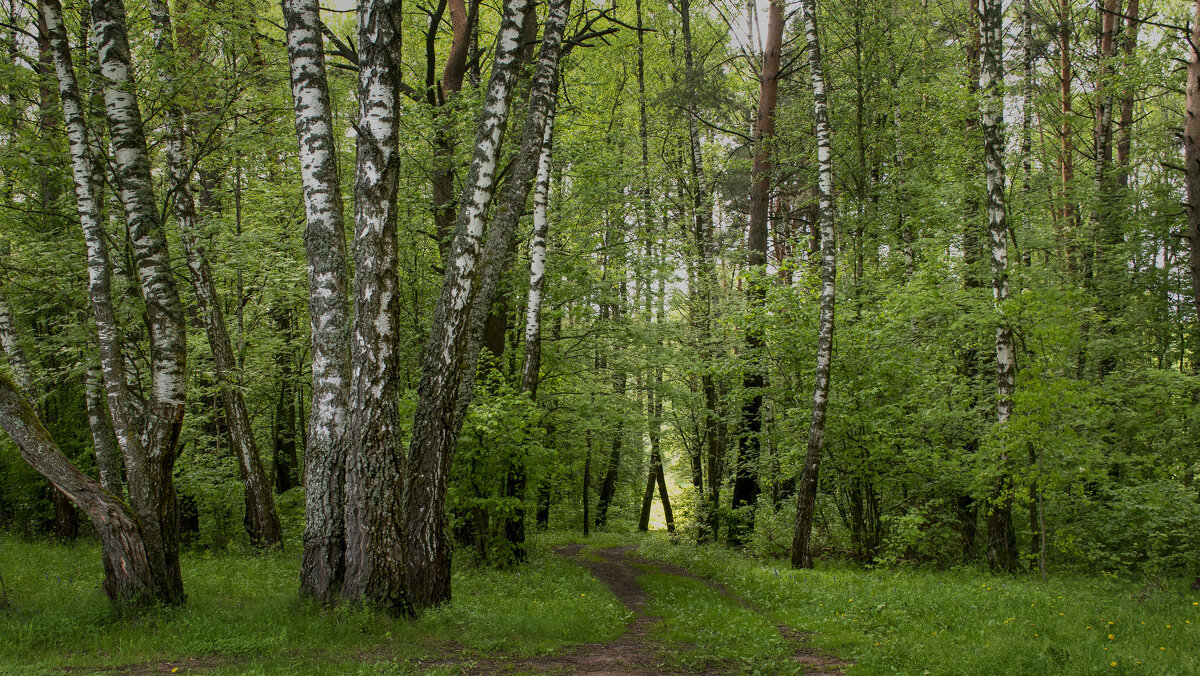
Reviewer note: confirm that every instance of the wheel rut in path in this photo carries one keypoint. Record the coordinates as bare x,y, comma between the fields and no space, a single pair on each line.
634,653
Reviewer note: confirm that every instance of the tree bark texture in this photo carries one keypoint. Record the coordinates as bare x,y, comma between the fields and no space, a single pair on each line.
1002,543
375,573
262,520
1191,154
745,485
437,421
322,567
806,497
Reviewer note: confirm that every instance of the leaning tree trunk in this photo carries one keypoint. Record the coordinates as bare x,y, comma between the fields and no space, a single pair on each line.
148,465
128,574
1002,542
437,420
262,520
322,566
375,573
745,485
806,498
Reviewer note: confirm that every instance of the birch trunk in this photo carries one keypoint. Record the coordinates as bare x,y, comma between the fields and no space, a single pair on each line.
437,420
1125,126
323,564
1002,542
745,485
806,497
150,489
108,452
151,483
1107,228
375,572
262,522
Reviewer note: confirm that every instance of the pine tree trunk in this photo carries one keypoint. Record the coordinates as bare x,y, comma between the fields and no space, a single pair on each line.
806,498
261,518
1002,542
437,420
322,567
745,485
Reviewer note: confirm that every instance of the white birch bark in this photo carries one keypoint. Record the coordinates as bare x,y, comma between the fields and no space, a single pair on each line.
375,464
1001,551
262,520
806,496
151,484
531,365
323,561
436,422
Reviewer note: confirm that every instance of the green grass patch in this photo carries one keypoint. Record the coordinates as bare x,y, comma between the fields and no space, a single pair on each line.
701,629
243,616
906,621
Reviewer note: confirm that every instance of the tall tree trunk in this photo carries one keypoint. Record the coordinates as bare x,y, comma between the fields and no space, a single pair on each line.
262,519
322,567
149,451
375,572
1002,542
437,420
704,283
806,498
515,525
745,485
1191,153
284,458
1107,227
1067,148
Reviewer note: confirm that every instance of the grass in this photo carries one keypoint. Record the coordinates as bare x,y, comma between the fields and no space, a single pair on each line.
905,621
243,617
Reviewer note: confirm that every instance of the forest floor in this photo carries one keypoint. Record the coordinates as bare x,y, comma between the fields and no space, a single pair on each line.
610,604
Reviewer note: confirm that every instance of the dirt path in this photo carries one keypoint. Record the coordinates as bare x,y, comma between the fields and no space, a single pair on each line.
634,653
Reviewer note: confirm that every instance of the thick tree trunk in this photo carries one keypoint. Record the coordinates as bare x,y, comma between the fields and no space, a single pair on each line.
745,485
437,420
261,518
148,463
1002,542
806,498
375,573
128,573
322,567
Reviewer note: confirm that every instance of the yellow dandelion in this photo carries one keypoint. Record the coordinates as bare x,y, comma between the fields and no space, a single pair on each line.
1168,626
1112,664
1111,637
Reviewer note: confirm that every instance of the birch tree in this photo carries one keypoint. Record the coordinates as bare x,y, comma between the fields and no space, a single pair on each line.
262,521
1002,543
375,553
323,562
806,496
445,369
